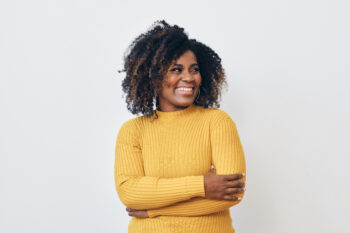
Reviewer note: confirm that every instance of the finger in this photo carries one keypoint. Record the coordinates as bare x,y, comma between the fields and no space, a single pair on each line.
130,210
131,213
138,214
234,190
134,213
233,176
212,169
235,184
231,198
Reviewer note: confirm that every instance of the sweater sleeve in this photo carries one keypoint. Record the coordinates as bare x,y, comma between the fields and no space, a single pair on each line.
138,191
227,157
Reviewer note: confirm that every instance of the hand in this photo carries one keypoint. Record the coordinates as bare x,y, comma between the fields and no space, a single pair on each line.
222,187
137,213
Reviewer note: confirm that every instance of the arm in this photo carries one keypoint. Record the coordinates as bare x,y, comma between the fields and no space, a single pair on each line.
228,158
138,191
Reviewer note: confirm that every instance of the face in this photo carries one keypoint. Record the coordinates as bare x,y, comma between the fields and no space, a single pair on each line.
180,85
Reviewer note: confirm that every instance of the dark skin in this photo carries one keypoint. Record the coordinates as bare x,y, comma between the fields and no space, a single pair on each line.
184,73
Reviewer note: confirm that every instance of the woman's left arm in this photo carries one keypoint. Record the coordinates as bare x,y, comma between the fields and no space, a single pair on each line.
227,157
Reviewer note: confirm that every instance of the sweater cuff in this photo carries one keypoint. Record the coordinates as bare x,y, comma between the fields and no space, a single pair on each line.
195,186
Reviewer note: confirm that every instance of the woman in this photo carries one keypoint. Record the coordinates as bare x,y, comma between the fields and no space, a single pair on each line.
180,167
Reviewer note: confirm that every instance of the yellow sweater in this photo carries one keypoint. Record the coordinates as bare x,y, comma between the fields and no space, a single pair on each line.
160,166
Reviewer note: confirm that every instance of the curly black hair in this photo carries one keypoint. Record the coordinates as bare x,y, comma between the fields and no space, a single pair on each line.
148,58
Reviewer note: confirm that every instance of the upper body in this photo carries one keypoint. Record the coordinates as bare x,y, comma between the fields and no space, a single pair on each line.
163,159
160,166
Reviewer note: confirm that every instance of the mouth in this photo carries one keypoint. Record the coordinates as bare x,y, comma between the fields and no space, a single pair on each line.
184,90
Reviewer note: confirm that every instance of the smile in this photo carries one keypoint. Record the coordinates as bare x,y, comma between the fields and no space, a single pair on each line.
184,91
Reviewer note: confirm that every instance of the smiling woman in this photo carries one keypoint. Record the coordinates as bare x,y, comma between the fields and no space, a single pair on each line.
153,57
178,167
181,84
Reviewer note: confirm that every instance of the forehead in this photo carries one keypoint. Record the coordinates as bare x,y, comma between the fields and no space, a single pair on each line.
187,57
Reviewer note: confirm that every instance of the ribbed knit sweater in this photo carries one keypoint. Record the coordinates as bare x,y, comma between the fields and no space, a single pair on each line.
160,166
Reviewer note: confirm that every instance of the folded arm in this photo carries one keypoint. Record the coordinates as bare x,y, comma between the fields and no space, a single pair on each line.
138,191
227,157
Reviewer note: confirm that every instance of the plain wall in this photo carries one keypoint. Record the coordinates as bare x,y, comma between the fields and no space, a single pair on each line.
61,106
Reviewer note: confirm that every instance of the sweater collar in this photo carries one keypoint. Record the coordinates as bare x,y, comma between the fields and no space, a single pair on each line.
176,114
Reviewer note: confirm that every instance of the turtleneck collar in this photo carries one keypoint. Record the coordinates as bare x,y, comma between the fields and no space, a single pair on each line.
176,114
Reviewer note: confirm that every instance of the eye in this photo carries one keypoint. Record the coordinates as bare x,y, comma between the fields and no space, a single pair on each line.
176,69
196,69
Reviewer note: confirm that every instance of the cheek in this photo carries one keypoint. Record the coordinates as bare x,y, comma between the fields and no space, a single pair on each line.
170,81
198,79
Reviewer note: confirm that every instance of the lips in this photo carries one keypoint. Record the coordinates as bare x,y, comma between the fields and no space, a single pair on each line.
185,87
185,90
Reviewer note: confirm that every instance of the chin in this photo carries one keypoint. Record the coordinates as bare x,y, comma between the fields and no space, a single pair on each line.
184,103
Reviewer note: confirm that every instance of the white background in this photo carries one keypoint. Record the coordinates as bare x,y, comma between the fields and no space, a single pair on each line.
287,65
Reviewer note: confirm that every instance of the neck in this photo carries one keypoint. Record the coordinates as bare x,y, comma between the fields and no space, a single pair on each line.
171,108
177,114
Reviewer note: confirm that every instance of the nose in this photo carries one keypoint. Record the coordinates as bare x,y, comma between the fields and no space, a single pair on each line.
187,76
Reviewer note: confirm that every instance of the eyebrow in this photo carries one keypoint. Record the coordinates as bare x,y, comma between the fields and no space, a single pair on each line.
194,64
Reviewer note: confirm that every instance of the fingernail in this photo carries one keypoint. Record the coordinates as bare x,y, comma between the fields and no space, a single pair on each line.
239,198
243,174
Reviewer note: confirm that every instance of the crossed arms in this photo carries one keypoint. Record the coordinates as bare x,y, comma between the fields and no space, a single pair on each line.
181,196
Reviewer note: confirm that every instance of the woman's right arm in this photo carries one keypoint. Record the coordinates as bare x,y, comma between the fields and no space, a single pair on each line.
138,191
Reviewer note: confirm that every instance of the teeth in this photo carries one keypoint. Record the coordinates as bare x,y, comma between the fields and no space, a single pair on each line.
184,89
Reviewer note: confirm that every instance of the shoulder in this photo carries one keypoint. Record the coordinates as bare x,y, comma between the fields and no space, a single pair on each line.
136,122
135,126
219,119
215,115
130,124
130,129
